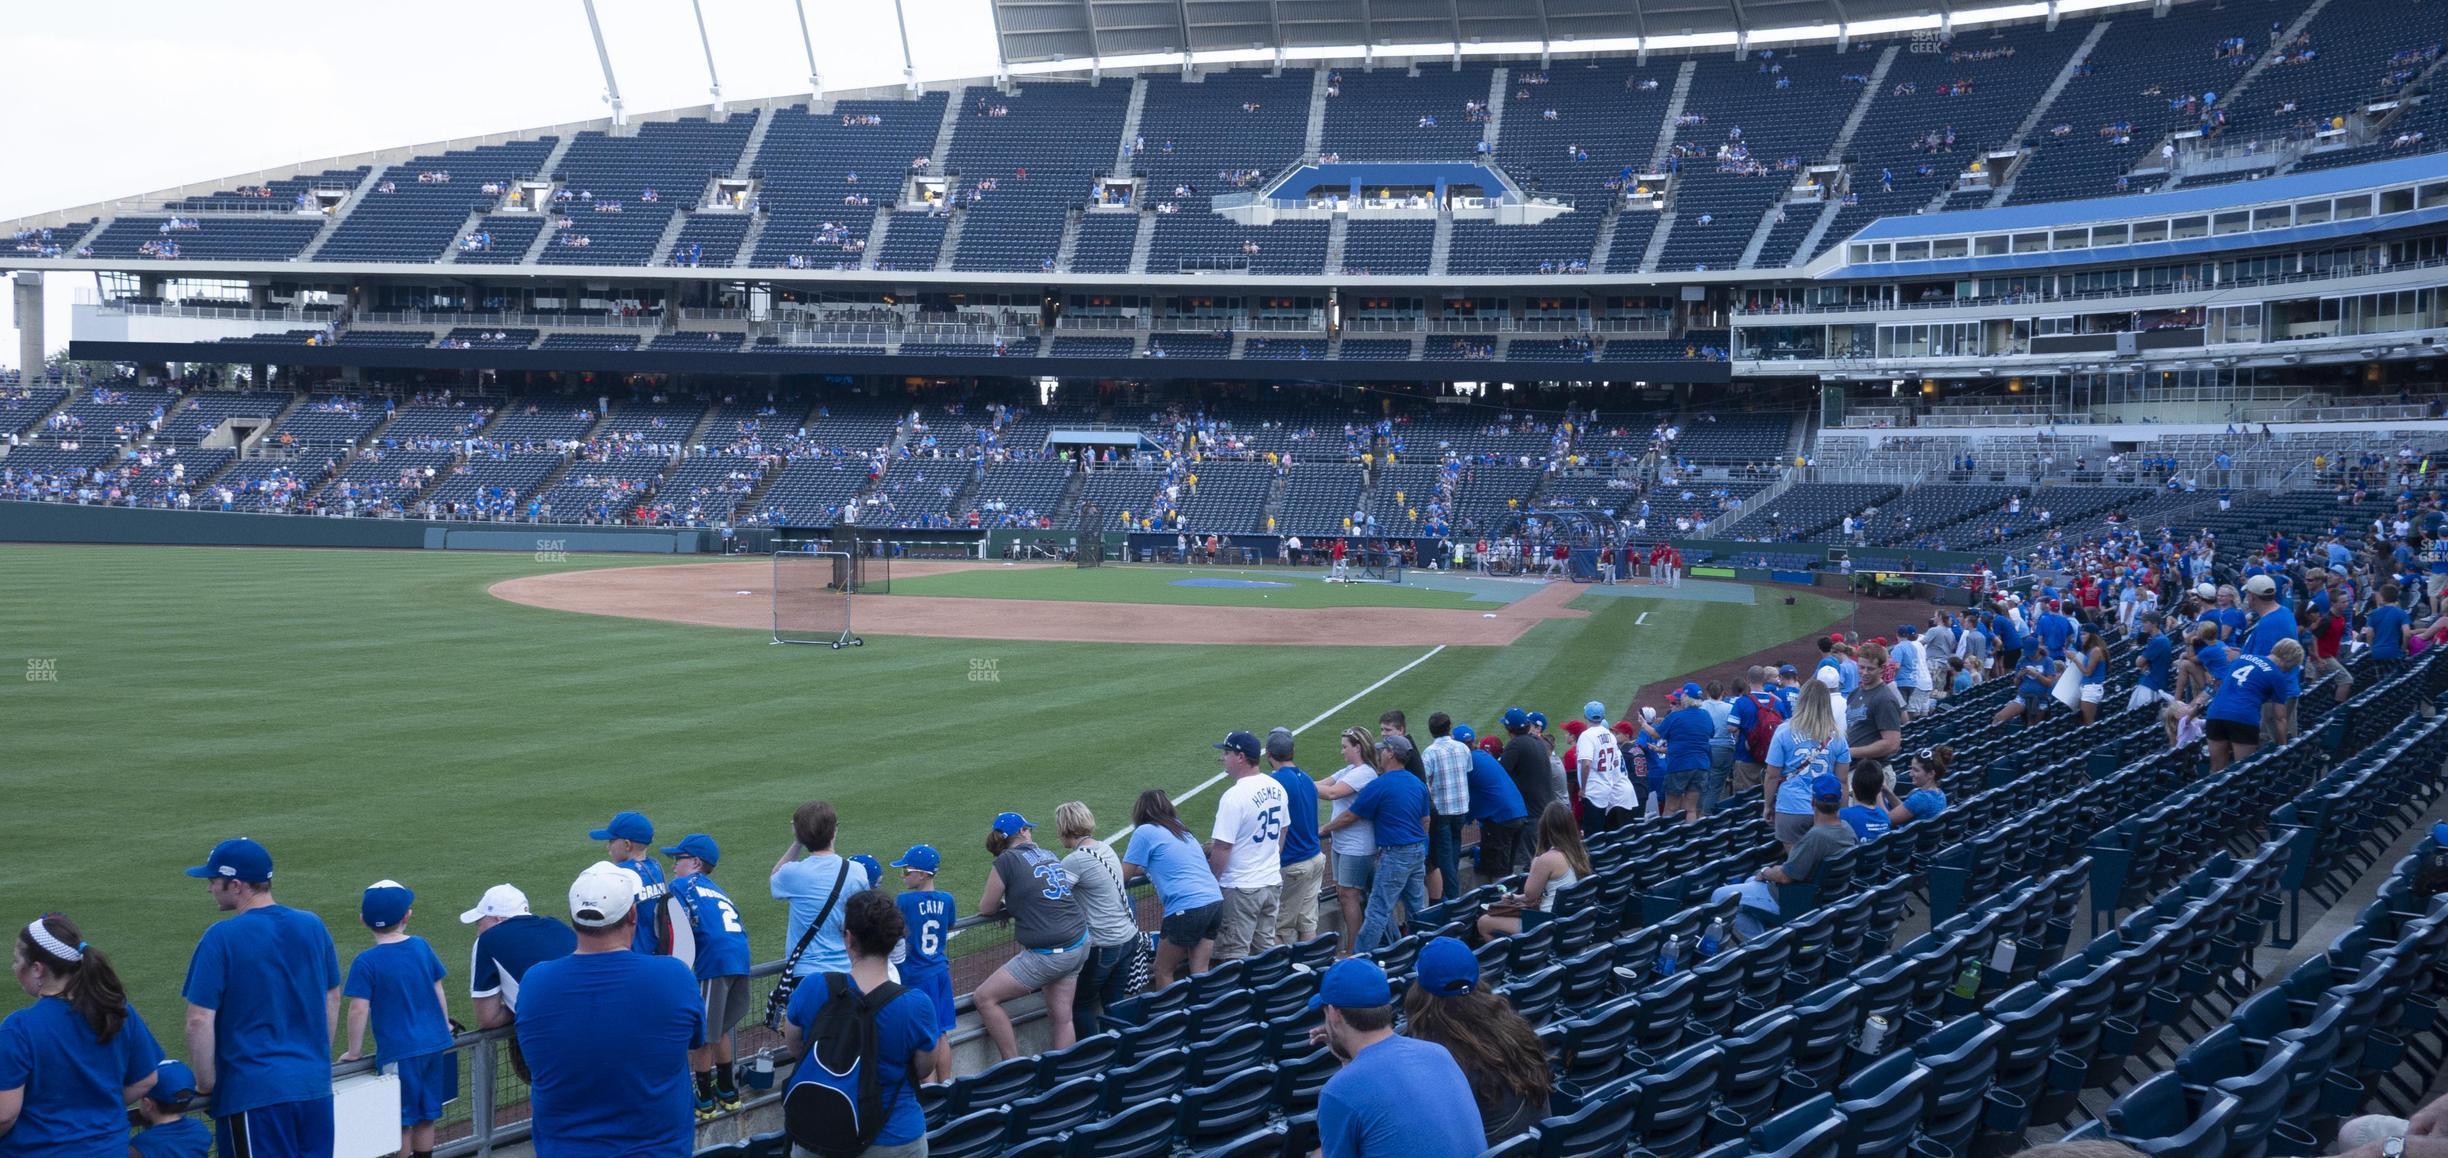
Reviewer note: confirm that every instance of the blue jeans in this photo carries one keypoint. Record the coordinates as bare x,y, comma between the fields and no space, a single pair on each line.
1713,781
1402,875
1445,850
1100,985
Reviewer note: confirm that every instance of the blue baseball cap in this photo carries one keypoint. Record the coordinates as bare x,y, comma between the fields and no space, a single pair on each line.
1516,719
922,857
173,1085
1241,742
699,845
1907,629
1464,734
1447,967
1010,823
1353,983
1594,711
1826,786
631,826
875,871
236,859
385,904
1693,691
1538,719
1787,669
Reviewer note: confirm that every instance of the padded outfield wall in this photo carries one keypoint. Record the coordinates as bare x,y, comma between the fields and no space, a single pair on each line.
23,522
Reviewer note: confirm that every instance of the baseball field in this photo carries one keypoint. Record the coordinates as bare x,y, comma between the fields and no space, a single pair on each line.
453,720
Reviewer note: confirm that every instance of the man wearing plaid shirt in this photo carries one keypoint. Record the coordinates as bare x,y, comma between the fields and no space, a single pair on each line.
1448,765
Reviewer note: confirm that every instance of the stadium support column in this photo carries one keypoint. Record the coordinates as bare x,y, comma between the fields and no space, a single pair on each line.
815,76
30,352
604,56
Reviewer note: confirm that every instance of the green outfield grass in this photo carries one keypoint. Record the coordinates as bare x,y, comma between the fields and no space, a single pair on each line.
376,714
1161,584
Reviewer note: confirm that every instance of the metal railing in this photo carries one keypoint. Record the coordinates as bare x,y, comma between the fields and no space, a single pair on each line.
2052,298
518,320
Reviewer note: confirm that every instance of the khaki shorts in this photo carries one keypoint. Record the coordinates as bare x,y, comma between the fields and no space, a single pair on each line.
1036,970
1249,921
1745,777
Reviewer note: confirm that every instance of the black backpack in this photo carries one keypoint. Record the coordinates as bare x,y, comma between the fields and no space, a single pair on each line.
836,1106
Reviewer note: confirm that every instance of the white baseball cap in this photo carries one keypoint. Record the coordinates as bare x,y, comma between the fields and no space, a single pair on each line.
1829,677
499,901
2206,590
603,894
2261,585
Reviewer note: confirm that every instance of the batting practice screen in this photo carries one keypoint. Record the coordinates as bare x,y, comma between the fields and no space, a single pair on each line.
812,591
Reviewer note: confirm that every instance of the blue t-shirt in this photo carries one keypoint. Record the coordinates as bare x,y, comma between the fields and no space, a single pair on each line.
653,921
2054,631
1401,1096
2003,627
1869,821
1397,803
2244,686
706,930
2034,670
1177,865
267,974
2096,672
806,883
2158,663
1924,803
2231,621
1495,799
1802,760
396,981
71,1079
1300,835
607,1037
1687,732
2278,624
928,915
184,1138
505,952
2388,623
1785,699
1963,681
906,1025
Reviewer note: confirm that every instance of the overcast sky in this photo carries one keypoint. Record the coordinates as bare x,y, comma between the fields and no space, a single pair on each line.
131,96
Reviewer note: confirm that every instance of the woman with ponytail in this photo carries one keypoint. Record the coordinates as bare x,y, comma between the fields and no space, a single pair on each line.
71,1062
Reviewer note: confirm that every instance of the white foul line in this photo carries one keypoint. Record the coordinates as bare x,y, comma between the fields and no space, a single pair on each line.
1643,621
1218,778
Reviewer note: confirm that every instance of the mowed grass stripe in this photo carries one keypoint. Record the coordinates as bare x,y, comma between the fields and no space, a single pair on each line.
1304,588
374,714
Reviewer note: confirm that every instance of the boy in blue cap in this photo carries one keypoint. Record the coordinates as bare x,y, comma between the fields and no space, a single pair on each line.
629,842
1394,1095
707,935
163,1129
927,911
397,985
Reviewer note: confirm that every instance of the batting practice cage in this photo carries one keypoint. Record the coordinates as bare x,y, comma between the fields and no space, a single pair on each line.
812,591
1089,547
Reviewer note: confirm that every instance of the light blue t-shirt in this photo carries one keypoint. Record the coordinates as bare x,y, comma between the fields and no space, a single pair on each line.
1869,821
807,884
1924,803
1177,865
1802,761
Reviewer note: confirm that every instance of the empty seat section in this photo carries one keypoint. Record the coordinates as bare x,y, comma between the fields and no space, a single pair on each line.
255,238
1229,133
2110,121
804,170
609,177
1389,115
420,206
708,239
1024,160
911,242
1388,248
278,196
1319,496
1748,145
1105,243
205,413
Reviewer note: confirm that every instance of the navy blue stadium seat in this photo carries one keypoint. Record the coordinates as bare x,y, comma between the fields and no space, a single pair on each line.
1228,1107
1145,1129
978,1135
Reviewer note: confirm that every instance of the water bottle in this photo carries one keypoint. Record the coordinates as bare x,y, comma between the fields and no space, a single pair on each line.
1874,1034
2003,957
1714,939
1670,957
1968,982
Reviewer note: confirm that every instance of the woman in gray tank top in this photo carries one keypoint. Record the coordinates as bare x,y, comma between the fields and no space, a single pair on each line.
1031,887
1113,926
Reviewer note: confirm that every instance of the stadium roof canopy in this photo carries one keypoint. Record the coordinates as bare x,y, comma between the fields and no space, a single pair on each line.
1077,32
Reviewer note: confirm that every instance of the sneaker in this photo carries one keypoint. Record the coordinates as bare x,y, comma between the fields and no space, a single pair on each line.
728,1099
705,1108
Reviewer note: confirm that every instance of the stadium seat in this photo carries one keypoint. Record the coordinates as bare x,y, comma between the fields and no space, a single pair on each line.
1601,1125
1155,1076
1591,1050
1264,1142
1228,1107
1883,1104
978,1135
1143,1130
771,1144
999,1084
1675,1096
1227,1053
1299,1081
1056,1110
2160,1116
1812,1129
1087,1057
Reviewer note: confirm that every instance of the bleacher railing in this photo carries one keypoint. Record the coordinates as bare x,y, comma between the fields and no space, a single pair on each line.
2339,273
